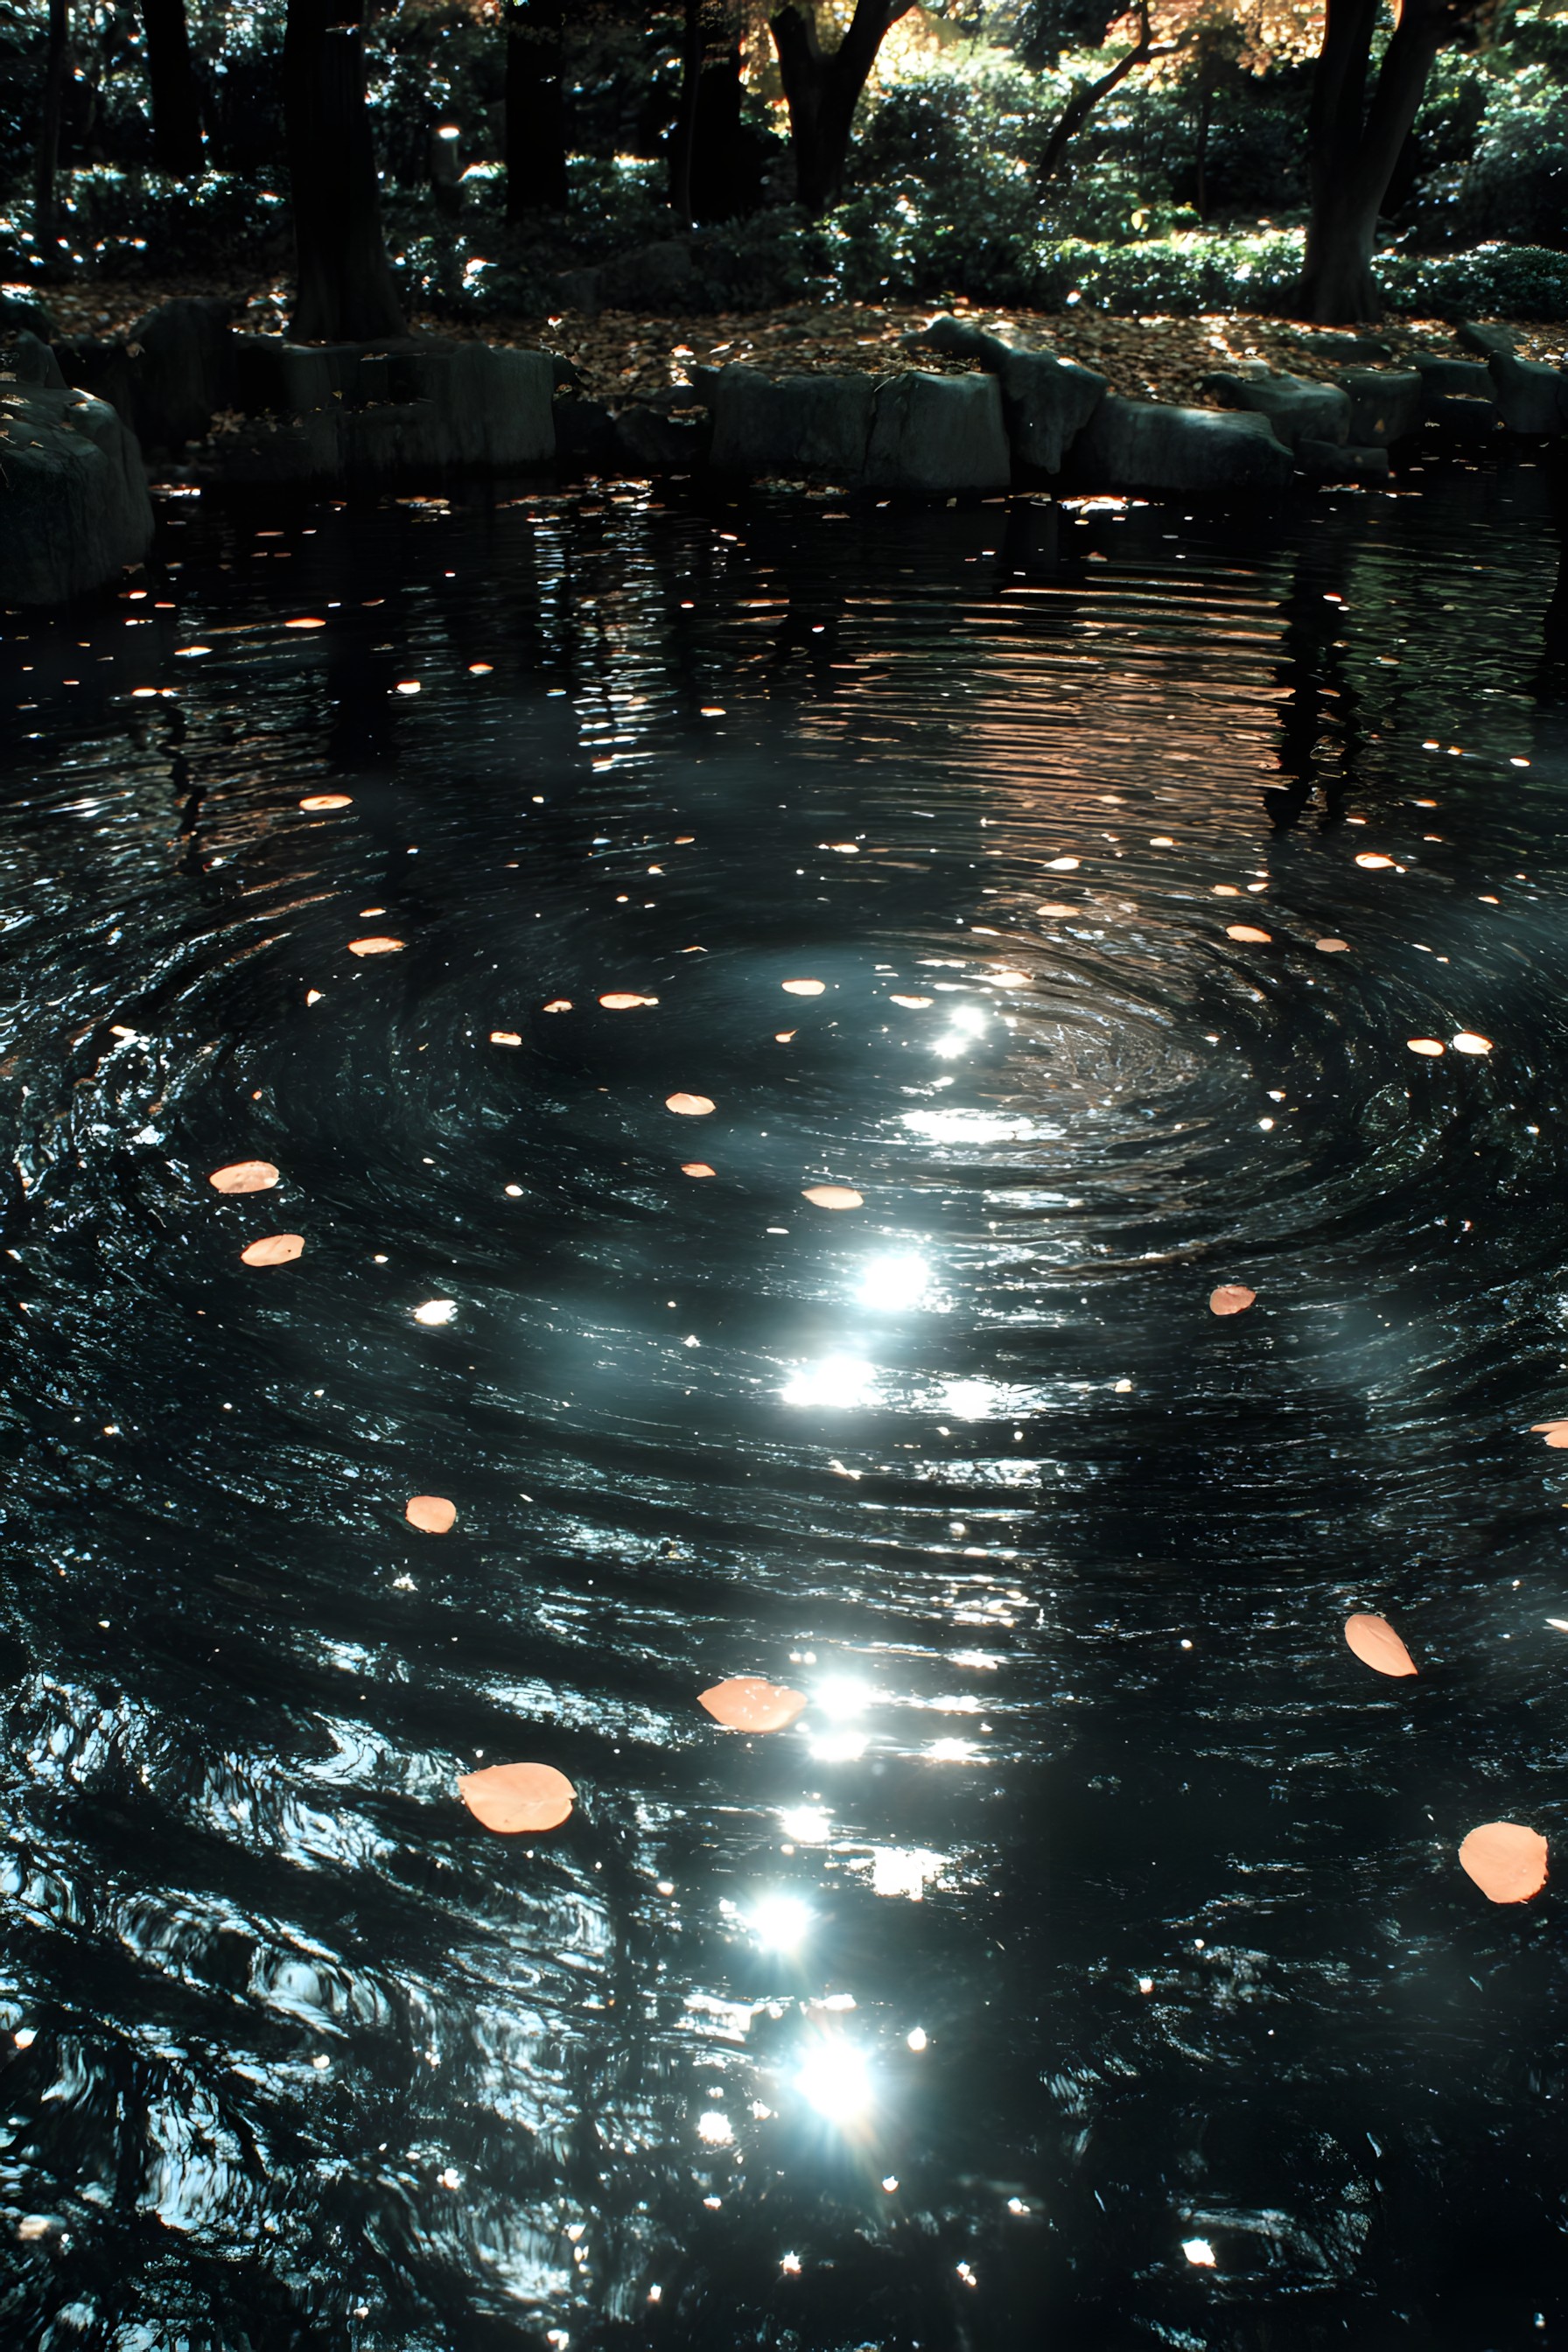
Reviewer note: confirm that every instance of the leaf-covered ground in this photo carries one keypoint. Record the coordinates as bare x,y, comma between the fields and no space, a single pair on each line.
623,356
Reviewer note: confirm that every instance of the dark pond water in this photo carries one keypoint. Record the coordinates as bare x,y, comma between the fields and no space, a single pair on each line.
1101,1913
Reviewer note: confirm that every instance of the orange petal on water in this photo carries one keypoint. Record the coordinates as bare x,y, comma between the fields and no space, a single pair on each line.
1054,906
480,669
1507,1861
834,1196
245,1176
1332,946
1377,1645
1226,889
1373,857
375,945
623,1001
913,1003
433,1513
1430,1046
327,800
1555,1432
1247,931
1467,1042
688,1106
746,1703
274,1249
1007,979
509,1798
695,1167
505,1037
803,987
782,1036
559,1004
1231,1298
304,624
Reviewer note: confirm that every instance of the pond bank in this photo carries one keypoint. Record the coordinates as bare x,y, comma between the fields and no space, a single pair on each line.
925,406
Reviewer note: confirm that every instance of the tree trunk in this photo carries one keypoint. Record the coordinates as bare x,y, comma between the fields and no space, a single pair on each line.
176,111
1088,95
1352,158
345,290
822,91
535,110
683,136
49,131
727,157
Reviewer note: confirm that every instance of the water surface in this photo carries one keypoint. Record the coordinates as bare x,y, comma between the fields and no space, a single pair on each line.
1101,1913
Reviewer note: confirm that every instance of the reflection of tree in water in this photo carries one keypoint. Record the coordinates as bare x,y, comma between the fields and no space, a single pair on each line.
1552,678
1322,734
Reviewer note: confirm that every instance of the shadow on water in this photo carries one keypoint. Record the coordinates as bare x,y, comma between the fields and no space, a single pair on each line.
1089,1964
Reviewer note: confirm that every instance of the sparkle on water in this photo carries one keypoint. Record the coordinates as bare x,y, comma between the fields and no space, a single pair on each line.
1093,1960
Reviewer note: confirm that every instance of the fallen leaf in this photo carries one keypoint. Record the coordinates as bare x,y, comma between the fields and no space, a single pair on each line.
1063,864
433,1513
1373,857
1247,931
559,1004
327,800
375,945
1507,1861
1428,1045
1555,1432
746,1703
480,669
304,624
505,1037
625,1002
1225,889
312,996
1054,906
782,1036
1377,1645
1007,979
245,1176
509,1797
1332,946
834,1196
1231,1298
695,1167
274,1249
912,1003
803,987
1467,1042
688,1106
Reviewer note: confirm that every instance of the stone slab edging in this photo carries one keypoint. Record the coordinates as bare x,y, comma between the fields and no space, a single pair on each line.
264,411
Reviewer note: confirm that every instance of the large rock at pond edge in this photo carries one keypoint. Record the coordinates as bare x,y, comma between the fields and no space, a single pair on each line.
1530,396
1457,396
377,413
74,510
1334,461
1144,444
1298,409
168,377
1045,400
814,426
937,432
650,442
1385,404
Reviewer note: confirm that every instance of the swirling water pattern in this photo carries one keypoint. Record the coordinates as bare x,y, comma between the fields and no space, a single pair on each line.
1100,1914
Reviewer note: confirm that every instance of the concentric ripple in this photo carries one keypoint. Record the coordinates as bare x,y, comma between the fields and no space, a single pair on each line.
1048,941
